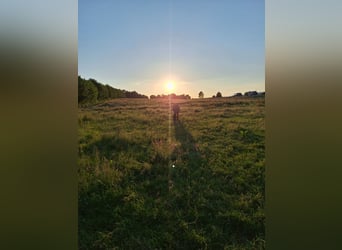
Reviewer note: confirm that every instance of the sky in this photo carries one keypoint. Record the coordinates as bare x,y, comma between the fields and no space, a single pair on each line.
199,45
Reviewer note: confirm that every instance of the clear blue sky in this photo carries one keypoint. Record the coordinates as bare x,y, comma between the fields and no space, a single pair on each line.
208,45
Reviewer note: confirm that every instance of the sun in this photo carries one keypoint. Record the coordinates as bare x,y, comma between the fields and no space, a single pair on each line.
170,85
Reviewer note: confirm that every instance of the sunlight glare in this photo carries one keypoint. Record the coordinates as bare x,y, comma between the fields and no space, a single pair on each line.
170,86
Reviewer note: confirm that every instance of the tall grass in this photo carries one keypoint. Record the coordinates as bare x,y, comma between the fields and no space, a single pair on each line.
131,196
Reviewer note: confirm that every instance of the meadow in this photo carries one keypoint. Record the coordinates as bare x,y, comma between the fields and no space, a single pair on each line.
146,182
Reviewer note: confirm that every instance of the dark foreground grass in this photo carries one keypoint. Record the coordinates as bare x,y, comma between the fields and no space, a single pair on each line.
131,196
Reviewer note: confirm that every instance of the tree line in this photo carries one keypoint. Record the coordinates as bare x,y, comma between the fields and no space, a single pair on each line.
173,96
248,93
201,94
92,91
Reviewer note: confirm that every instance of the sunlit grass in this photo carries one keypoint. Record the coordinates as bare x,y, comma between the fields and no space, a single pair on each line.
131,197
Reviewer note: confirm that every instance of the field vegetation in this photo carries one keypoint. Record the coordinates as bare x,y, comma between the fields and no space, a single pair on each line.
146,182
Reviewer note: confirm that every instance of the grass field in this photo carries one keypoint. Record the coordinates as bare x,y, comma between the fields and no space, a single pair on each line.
131,196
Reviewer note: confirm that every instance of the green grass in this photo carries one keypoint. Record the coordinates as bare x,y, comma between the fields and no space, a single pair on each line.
130,196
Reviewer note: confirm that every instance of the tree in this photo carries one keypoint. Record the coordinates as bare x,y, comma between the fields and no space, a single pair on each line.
103,92
87,91
237,94
219,94
200,94
251,93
